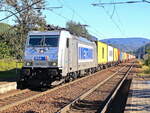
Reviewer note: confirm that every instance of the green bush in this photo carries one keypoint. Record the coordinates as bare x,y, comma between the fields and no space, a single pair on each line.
8,68
147,71
4,50
8,64
147,61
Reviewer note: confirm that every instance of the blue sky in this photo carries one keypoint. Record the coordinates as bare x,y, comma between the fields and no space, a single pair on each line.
133,20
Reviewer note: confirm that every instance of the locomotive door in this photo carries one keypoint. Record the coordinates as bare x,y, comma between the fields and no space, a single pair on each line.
73,55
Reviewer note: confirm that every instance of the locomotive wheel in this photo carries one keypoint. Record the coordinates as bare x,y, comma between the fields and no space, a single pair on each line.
67,78
74,75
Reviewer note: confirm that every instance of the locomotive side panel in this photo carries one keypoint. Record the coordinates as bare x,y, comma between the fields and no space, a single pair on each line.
63,54
87,55
72,55
79,54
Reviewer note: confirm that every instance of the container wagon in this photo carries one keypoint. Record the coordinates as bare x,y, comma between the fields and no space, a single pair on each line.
116,60
102,51
110,55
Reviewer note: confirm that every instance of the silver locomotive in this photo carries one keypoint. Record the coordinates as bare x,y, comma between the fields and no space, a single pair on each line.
52,56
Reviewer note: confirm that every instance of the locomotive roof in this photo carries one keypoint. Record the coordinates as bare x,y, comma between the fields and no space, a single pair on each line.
44,33
55,32
84,40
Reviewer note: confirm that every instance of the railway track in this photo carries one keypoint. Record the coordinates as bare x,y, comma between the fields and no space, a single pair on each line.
77,104
21,96
17,98
7,102
108,103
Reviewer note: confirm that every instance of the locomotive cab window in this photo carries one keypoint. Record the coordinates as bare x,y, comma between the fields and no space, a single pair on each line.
35,40
51,41
41,40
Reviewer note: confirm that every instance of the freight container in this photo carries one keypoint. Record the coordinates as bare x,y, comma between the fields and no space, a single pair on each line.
115,54
124,56
110,54
127,56
102,52
119,55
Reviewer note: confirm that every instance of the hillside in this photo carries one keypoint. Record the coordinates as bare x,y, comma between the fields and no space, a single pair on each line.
143,50
127,44
4,27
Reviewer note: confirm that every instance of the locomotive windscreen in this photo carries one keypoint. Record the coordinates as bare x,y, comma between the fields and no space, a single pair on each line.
46,40
51,41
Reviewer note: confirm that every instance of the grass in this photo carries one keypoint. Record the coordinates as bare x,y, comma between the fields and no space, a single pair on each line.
145,70
8,68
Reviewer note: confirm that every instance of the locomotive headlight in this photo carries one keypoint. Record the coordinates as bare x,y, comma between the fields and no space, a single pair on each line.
28,63
52,63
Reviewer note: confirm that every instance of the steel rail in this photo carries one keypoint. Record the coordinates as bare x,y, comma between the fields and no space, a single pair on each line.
85,94
115,92
13,94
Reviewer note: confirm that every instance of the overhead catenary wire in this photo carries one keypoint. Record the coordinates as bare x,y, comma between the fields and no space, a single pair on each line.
114,9
119,3
118,17
12,14
101,4
58,14
85,22
110,16
15,14
52,12
117,26
51,9
66,18
115,12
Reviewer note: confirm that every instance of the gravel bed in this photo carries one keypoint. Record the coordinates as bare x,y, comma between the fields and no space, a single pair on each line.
57,99
96,99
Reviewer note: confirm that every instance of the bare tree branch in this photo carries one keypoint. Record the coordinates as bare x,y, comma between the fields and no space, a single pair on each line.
11,3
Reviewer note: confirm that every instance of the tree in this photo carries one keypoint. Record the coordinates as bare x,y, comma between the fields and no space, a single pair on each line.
78,29
148,49
4,50
28,16
29,12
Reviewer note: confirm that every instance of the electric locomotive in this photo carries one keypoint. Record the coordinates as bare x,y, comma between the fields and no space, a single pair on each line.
51,56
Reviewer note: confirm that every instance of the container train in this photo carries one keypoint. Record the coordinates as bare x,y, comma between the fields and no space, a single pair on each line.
52,56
